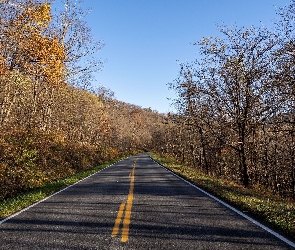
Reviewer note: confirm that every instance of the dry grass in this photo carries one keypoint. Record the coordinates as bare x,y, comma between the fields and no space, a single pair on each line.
274,211
22,200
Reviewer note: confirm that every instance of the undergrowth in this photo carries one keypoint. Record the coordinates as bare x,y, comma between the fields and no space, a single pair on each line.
22,200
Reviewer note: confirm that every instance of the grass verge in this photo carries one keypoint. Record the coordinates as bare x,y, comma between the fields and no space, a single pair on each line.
273,211
16,203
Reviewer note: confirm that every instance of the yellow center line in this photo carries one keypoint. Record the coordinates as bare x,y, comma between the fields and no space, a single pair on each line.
118,220
127,207
127,216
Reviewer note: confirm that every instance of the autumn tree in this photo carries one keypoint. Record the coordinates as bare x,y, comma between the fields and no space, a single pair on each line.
80,47
28,49
285,68
229,88
284,85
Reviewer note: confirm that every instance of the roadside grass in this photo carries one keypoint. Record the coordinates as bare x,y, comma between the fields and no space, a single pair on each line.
16,203
273,211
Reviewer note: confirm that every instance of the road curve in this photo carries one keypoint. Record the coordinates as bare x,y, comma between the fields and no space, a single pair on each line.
133,204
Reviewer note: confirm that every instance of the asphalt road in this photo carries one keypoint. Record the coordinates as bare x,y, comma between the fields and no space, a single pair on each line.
133,204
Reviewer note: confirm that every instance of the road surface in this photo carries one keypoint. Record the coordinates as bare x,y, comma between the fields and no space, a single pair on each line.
133,204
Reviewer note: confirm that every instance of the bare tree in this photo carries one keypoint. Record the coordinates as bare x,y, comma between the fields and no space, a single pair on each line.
229,88
80,47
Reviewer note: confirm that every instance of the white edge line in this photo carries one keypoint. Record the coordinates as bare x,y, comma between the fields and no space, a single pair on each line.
282,238
44,199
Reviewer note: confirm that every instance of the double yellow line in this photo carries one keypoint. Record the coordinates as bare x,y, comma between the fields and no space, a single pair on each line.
125,206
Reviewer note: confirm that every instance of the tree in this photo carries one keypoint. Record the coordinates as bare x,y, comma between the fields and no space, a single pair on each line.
26,47
231,86
284,84
80,47
27,50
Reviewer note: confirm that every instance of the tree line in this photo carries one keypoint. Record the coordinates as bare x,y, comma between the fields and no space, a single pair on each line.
53,123
236,106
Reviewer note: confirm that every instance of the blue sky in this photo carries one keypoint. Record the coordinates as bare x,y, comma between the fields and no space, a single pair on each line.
146,39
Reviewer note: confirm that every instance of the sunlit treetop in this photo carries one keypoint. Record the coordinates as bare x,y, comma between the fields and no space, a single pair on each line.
37,16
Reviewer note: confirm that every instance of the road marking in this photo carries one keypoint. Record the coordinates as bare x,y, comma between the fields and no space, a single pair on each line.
118,220
126,223
48,197
127,213
282,238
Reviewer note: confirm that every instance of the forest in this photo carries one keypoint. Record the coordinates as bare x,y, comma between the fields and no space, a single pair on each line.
53,123
236,106
235,116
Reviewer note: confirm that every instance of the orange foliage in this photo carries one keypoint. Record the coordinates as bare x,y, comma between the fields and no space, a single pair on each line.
38,55
36,15
3,67
46,56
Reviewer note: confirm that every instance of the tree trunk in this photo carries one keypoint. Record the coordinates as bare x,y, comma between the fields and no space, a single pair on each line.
204,150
